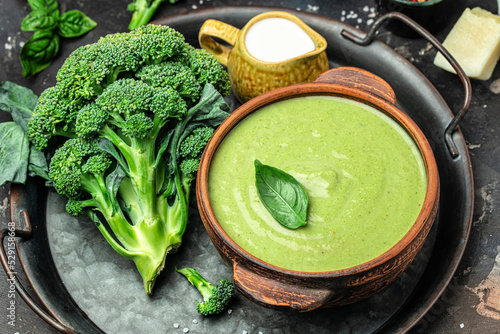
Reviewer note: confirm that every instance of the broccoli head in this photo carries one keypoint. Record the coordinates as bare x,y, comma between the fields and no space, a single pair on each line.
126,124
216,298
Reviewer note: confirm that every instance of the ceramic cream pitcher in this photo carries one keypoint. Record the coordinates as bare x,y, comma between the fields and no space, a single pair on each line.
258,68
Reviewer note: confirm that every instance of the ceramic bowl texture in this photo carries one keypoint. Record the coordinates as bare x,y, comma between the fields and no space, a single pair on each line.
289,290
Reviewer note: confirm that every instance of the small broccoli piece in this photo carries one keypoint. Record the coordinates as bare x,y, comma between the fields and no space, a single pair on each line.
77,207
143,10
216,298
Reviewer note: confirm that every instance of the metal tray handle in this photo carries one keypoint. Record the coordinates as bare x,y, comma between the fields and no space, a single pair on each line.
23,230
370,36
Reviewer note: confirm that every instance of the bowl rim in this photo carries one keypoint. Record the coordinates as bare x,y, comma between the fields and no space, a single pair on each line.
429,205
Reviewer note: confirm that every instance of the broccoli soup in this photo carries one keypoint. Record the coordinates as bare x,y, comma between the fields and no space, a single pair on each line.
363,173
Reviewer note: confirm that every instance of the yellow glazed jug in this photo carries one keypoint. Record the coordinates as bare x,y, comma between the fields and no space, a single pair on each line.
251,76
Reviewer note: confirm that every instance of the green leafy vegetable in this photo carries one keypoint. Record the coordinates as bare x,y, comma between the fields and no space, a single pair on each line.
18,157
282,195
14,153
143,11
19,101
48,27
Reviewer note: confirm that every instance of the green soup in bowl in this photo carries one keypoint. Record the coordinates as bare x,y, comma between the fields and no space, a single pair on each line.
368,171
352,160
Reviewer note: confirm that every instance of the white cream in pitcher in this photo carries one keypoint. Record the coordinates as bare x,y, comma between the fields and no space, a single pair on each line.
276,39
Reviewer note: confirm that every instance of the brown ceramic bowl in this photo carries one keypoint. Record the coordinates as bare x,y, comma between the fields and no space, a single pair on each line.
284,289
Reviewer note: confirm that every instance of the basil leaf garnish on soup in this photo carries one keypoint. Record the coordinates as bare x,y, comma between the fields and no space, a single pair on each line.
282,195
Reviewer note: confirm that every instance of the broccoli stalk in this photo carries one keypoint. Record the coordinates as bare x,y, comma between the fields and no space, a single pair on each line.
143,10
216,298
128,143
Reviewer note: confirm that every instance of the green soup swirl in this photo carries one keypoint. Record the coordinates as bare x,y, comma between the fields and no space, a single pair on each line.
363,173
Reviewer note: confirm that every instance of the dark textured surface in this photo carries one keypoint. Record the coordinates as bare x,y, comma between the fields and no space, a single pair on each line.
468,305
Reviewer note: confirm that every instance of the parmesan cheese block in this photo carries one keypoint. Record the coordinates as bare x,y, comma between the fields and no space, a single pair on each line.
474,42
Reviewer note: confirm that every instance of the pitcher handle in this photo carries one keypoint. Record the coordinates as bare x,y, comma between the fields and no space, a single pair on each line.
226,32
370,36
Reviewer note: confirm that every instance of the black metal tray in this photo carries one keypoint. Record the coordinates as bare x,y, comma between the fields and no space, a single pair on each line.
87,288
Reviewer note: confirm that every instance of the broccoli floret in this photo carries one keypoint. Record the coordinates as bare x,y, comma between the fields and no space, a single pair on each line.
127,147
90,68
193,145
206,69
54,114
78,165
175,75
138,126
143,10
216,298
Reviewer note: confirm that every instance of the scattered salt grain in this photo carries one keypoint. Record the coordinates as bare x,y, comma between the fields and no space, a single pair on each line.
312,8
176,325
185,330
366,9
195,321
229,311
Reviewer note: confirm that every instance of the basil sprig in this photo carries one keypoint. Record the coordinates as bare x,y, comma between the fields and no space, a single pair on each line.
48,27
282,195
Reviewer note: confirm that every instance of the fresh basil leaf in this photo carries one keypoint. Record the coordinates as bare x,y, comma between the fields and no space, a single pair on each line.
40,20
17,100
14,153
75,23
38,52
47,6
282,195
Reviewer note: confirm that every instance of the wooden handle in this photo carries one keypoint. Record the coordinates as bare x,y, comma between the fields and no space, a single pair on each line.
359,78
271,292
218,29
